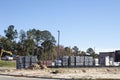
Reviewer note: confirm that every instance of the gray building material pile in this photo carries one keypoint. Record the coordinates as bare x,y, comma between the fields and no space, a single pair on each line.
86,60
20,62
65,61
25,61
79,61
72,61
90,61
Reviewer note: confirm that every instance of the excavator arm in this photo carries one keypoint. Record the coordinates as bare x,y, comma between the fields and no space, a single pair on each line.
4,51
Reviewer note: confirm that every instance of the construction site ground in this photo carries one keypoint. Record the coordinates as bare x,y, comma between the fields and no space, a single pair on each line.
97,73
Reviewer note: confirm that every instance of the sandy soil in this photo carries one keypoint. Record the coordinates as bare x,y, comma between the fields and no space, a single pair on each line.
68,73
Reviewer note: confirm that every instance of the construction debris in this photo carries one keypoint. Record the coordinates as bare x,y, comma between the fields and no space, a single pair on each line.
35,67
38,66
42,66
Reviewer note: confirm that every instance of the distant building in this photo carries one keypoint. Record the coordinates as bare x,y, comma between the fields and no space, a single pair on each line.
109,58
117,56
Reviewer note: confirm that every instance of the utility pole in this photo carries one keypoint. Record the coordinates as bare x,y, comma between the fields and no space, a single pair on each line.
58,54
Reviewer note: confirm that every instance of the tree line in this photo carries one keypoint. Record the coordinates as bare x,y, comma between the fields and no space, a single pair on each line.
37,42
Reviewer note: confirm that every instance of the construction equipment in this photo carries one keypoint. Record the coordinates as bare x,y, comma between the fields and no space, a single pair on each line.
6,54
4,51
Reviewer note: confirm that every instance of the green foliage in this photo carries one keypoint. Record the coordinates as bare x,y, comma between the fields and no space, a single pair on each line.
48,47
92,52
6,43
10,33
31,42
37,42
67,51
76,50
29,46
22,36
46,35
96,55
34,35
7,63
83,53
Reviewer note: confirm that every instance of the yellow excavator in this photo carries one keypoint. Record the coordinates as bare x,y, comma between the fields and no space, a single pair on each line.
4,52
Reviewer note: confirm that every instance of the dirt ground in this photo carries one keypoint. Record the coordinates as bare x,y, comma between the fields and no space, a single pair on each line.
67,73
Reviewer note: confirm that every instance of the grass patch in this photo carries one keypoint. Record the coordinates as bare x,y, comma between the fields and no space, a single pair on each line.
7,63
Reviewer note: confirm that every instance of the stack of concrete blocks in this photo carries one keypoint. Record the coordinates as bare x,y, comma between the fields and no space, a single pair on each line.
24,62
72,61
79,61
65,61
